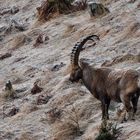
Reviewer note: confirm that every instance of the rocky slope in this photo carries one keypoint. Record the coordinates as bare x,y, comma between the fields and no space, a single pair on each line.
48,115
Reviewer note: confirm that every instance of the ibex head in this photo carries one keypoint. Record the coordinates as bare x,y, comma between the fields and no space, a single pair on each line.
76,72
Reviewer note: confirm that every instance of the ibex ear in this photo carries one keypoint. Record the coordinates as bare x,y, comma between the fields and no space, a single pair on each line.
83,63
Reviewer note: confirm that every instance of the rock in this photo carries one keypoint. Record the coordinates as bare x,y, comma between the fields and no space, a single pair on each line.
36,89
9,10
18,25
1,38
58,66
40,39
6,135
80,4
14,10
131,1
2,28
14,25
138,6
19,59
97,10
13,111
21,90
4,56
4,11
10,111
43,99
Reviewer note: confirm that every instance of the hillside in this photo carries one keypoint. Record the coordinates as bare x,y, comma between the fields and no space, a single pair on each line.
47,115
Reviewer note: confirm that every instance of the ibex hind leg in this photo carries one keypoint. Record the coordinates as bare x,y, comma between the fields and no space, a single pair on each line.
127,103
134,101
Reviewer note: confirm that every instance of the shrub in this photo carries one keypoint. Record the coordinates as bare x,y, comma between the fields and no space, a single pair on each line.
109,131
51,8
9,92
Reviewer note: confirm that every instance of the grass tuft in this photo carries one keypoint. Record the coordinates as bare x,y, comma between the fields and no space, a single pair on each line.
109,131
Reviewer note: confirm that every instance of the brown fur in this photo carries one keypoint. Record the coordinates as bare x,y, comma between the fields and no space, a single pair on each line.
107,84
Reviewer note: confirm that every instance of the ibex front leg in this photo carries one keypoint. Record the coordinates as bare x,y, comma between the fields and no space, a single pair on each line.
105,106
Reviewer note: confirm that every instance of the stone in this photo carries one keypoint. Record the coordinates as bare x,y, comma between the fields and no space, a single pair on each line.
97,9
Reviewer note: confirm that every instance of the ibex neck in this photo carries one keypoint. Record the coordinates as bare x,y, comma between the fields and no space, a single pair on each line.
88,78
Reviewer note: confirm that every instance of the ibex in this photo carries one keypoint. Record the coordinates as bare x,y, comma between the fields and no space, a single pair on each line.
104,83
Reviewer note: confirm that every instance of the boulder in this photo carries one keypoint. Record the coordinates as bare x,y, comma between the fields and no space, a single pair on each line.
97,9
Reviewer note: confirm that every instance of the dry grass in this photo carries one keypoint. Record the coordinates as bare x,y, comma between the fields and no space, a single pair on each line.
18,117
120,115
64,131
27,136
91,133
67,70
107,2
34,32
52,8
49,9
122,58
64,123
52,116
71,28
28,108
9,94
73,116
63,99
18,41
69,126
131,30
